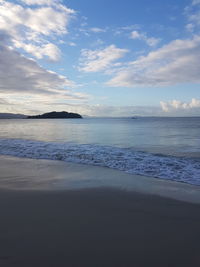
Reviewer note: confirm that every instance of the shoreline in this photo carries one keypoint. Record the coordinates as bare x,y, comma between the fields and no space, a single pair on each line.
40,174
93,223
142,163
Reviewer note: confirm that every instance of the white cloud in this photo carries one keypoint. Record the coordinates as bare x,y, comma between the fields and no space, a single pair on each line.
195,2
151,41
26,86
190,27
97,30
124,29
40,2
87,31
39,20
176,105
50,50
23,76
37,106
118,111
108,111
192,13
72,44
174,63
135,35
195,18
3,101
33,26
100,60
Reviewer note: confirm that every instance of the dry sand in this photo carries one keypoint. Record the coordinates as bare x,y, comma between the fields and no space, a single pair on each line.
55,214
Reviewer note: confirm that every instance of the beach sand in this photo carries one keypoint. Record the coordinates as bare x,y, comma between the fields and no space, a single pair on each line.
64,215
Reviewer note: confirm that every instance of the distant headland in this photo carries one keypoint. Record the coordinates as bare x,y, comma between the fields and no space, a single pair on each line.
12,116
56,115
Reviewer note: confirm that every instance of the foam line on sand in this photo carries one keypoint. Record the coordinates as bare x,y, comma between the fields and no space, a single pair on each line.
31,174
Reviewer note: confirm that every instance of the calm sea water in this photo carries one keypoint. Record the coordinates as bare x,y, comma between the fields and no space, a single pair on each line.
167,148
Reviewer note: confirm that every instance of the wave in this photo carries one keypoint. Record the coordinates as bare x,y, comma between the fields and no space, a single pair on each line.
124,159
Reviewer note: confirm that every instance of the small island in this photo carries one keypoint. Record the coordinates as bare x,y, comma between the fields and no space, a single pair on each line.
57,115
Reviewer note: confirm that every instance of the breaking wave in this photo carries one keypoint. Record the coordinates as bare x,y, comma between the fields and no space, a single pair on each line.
124,159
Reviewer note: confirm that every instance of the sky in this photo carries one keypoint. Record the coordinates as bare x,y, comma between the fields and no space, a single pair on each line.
100,57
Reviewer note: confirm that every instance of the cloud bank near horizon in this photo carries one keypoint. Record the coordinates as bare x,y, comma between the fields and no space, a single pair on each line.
176,105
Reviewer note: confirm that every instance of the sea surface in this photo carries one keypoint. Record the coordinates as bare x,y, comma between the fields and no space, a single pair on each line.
166,148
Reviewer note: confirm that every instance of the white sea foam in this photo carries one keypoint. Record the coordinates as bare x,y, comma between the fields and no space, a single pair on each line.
124,159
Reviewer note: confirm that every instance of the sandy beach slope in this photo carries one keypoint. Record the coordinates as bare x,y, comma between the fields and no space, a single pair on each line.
59,214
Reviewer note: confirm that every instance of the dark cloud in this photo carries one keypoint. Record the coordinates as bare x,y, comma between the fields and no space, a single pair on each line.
19,74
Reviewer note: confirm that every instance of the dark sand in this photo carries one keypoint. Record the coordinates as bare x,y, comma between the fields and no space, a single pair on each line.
96,227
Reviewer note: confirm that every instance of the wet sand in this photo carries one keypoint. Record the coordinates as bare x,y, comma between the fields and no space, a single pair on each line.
50,221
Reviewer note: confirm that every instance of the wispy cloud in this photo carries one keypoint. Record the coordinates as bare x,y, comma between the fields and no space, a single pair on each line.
125,29
174,63
101,110
151,41
101,59
40,2
190,27
192,13
195,2
97,30
124,111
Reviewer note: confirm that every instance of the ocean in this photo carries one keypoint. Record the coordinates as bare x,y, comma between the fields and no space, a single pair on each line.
160,147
